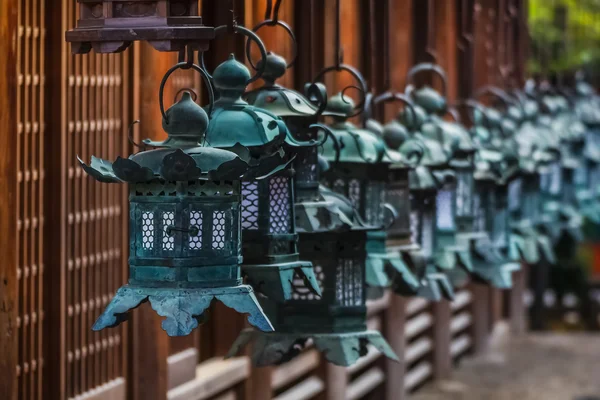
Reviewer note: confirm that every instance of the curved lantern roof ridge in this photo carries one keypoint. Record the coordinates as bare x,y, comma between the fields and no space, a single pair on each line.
183,156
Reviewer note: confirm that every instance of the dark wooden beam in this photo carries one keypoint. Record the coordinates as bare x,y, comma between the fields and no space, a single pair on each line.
8,196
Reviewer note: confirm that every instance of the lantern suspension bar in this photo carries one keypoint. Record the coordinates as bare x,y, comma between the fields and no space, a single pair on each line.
431,30
338,41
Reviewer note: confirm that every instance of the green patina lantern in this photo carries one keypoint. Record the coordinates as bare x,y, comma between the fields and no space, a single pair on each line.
454,199
185,235
496,166
332,236
270,241
587,177
364,169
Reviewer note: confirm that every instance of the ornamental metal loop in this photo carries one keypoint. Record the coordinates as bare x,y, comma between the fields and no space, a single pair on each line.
290,32
500,94
251,36
427,67
329,134
394,215
476,106
357,76
317,94
130,136
389,97
205,77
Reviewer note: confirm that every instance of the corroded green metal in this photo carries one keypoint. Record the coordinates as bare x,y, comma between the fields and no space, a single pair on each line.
270,250
331,236
184,225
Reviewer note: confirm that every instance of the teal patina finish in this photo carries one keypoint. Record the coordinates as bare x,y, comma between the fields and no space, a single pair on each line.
185,232
454,173
362,167
271,259
331,236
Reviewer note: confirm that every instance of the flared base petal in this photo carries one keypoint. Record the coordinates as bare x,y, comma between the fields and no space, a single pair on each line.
435,287
385,270
342,349
276,280
182,308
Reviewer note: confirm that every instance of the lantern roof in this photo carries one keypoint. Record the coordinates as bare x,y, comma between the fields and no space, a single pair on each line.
234,121
183,156
421,178
282,101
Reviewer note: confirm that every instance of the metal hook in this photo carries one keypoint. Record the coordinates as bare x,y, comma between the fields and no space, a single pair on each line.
130,136
290,32
356,75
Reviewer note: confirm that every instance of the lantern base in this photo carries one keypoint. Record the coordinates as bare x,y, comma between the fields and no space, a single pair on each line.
389,269
276,280
183,308
342,349
435,286
450,257
491,267
531,246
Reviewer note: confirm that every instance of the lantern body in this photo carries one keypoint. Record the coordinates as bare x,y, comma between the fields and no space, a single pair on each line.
110,26
269,237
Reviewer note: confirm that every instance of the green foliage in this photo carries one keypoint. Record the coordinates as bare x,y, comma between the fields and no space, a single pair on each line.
562,46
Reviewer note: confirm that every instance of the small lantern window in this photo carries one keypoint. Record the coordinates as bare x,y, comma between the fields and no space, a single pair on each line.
464,192
446,206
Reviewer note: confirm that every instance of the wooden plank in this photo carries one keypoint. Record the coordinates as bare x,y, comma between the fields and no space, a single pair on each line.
418,325
395,325
460,345
336,380
212,377
182,367
306,390
460,322
8,199
415,305
417,375
461,300
418,349
230,395
293,370
372,355
442,362
365,384
113,390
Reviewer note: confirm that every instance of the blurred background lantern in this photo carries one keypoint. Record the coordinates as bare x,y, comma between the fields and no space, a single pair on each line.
361,170
110,26
454,201
270,249
184,223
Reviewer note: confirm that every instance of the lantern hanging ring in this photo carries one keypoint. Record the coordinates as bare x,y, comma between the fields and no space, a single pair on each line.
290,32
356,75
389,97
130,136
476,106
251,36
427,67
205,77
499,94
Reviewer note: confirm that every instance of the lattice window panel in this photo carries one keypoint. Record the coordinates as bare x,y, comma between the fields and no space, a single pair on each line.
250,205
479,211
399,198
148,230
307,169
427,232
95,93
195,239
515,189
555,178
445,209
168,238
500,233
464,199
31,253
354,193
349,282
219,230
374,201
415,226
303,293
280,205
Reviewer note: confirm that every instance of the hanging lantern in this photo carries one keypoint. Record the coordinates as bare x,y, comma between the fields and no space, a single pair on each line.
496,167
184,223
110,26
332,237
454,201
270,241
361,169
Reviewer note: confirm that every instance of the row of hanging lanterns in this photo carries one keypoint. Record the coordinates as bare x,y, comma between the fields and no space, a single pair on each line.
255,202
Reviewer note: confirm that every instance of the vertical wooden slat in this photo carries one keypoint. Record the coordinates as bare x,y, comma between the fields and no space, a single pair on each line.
8,198
395,323
481,316
442,360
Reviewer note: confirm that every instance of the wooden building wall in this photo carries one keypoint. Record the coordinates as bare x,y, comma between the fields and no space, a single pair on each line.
64,237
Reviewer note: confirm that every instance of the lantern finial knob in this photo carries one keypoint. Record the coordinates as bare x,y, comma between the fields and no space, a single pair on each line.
275,69
185,123
230,79
341,104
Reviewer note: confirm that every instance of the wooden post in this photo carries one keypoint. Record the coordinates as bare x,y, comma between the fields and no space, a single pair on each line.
336,381
517,306
395,321
260,384
481,316
442,360
8,196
